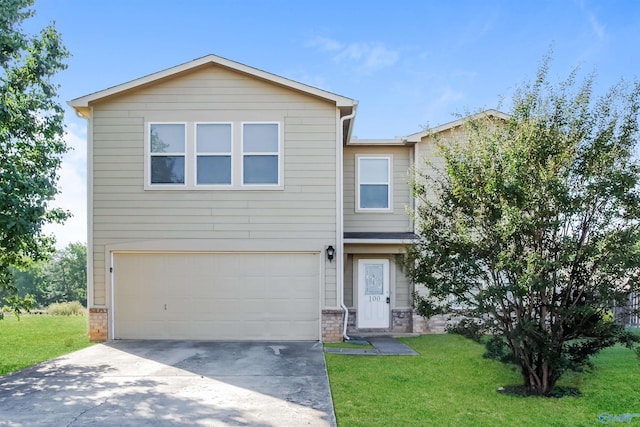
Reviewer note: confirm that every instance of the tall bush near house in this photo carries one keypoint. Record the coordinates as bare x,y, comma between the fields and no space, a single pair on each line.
71,308
535,224
31,141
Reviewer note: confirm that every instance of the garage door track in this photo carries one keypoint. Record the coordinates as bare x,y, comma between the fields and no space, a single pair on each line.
168,383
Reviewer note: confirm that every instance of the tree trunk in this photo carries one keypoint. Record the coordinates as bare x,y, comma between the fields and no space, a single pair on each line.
540,381
539,378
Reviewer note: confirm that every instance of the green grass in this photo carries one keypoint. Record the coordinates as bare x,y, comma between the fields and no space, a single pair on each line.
35,338
451,384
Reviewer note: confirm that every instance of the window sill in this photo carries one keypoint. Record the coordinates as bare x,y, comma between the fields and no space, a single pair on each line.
149,187
373,210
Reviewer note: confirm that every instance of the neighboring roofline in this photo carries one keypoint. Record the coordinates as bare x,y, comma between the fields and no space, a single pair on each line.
81,104
380,142
416,137
380,241
380,238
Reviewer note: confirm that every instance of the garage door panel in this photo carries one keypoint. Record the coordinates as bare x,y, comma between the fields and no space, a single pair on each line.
177,290
254,286
179,328
233,296
224,288
300,293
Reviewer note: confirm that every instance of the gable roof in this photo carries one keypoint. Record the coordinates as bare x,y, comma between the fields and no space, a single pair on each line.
416,137
81,104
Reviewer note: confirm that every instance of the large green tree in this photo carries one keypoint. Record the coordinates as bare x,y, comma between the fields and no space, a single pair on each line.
532,227
31,138
65,276
61,278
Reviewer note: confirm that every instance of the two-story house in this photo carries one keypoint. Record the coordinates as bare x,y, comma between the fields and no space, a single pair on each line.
229,203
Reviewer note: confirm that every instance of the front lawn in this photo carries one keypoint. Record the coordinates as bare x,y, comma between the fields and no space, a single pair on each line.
451,384
35,338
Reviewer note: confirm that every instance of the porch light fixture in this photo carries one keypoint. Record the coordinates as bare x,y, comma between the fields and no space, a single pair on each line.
331,252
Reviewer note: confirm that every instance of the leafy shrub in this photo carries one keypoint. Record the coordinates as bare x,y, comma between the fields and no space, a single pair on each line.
468,328
498,349
73,308
557,392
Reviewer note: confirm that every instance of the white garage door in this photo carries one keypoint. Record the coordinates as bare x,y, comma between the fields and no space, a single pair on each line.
216,296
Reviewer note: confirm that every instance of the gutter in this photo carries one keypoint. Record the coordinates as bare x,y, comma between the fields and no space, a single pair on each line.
340,228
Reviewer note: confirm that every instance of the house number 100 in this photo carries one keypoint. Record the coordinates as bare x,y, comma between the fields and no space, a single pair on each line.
374,298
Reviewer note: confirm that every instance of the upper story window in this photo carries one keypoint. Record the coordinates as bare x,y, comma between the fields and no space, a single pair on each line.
374,183
260,154
213,154
168,151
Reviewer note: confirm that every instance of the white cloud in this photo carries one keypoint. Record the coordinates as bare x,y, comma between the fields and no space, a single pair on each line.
597,27
325,44
73,186
366,57
315,80
446,99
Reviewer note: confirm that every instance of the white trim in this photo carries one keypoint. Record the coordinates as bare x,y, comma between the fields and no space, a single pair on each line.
214,245
90,276
279,154
389,182
339,155
321,291
111,318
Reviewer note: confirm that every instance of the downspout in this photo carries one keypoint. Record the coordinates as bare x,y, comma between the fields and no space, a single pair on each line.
340,228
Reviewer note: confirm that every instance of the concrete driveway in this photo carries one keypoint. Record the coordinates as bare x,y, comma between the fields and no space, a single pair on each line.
168,383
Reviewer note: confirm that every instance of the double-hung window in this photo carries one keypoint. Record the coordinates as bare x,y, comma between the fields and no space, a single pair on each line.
260,154
213,154
374,183
167,150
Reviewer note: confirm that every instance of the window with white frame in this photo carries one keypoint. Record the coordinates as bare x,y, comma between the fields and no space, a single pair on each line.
374,183
260,154
167,153
213,154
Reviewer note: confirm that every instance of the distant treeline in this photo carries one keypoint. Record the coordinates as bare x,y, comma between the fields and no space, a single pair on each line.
62,278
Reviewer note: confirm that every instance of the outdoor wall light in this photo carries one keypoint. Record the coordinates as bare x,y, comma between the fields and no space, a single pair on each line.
331,252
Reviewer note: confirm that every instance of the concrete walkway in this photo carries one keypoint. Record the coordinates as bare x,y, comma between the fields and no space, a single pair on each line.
173,383
383,346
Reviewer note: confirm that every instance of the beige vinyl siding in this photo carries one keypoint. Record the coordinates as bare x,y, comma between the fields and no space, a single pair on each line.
348,281
428,161
402,287
428,158
396,220
304,210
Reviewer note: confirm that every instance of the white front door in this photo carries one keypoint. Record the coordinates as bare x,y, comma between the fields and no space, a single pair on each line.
373,293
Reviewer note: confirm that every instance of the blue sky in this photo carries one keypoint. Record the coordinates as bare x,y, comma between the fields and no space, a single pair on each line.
410,64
